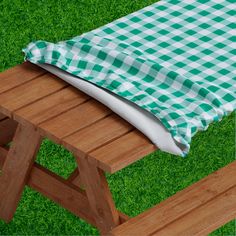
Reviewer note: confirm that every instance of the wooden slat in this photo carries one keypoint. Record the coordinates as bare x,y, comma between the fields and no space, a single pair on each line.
7,131
73,120
16,169
45,103
206,218
122,152
185,202
19,75
50,106
97,134
29,92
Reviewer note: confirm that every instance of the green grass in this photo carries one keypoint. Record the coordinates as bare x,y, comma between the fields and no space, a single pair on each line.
136,188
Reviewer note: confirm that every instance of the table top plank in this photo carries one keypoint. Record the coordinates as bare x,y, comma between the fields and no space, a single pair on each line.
18,75
50,106
122,152
97,134
29,92
69,117
73,120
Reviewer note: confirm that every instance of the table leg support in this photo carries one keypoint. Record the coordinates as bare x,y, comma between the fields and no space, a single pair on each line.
99,195
16,169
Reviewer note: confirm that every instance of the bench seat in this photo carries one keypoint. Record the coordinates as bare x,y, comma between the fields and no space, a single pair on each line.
196,210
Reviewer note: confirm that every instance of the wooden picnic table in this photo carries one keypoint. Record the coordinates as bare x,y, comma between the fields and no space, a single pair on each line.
35,104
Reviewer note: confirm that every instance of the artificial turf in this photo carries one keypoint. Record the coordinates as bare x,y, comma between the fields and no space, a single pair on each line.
138,186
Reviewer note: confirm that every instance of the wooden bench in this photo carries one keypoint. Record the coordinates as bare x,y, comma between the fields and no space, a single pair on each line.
197,210
35,104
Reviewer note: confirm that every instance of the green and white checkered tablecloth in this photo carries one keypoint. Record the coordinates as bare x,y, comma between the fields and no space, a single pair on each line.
175,59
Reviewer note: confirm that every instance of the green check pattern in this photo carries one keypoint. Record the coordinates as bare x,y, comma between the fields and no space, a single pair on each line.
175,59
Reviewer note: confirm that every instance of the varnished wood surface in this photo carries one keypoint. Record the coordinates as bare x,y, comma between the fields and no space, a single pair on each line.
64,192
196,210
16,169
44,105
71,118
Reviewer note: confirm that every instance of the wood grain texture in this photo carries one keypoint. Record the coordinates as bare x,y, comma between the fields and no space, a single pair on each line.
18,75
50,106
73,120
188,206
16,169
7,131
29,92
206,218
99,195
97,134
52,185
60,191
32,96
69,117
122,152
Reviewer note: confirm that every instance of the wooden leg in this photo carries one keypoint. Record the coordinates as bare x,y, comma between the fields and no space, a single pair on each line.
99,195
61,191
16,169
7,130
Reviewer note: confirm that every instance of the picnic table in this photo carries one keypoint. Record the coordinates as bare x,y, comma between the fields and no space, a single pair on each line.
35,104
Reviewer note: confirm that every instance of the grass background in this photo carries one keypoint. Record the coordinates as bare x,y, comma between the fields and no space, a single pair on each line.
136,188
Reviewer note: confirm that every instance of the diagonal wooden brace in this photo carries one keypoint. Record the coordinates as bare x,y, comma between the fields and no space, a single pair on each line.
16,169
61,191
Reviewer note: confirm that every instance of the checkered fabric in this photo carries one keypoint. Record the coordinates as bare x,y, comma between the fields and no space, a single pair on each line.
175,59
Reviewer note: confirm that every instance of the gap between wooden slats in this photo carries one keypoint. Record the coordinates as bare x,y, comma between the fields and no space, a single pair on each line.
29,92
97,134
8,104
74,120
122,152
19,75
51,106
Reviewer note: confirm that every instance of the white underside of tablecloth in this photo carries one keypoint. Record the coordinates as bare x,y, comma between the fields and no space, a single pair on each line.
144,121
